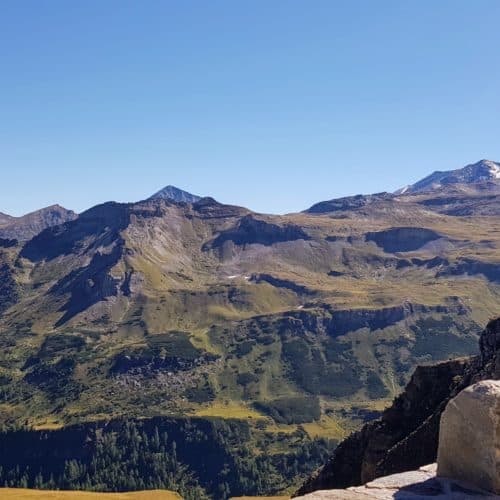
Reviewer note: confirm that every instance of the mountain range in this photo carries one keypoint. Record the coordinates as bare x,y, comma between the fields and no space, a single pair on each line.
182,306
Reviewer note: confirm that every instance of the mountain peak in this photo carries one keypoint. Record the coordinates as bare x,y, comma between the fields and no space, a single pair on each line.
481,171
175,194
493,167
25,227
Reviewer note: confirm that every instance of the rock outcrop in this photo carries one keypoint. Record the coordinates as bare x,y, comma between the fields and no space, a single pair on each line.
414,485
469,436
406,436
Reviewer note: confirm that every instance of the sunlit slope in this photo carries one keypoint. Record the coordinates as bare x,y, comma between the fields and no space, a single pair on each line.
207,309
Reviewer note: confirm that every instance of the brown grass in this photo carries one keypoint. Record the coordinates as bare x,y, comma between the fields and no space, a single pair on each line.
259,498
25,494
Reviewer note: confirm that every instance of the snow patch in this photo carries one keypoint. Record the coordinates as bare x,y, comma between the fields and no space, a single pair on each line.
494,169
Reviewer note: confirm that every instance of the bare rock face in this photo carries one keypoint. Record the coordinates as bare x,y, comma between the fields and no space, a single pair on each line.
419,484
469,437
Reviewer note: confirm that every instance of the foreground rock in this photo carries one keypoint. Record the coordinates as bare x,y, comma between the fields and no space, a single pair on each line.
406,436
469,436
414,485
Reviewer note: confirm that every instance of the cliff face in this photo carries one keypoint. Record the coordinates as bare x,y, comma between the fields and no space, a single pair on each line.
406,436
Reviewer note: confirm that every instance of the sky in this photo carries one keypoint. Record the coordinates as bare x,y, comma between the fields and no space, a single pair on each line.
269,104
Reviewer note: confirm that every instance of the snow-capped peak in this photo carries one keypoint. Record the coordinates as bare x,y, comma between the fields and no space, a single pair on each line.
494,168
481,171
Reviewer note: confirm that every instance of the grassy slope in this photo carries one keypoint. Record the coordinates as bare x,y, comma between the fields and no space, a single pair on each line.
181,287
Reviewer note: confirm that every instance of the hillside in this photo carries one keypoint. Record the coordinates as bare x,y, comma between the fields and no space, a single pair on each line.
304,324
231,303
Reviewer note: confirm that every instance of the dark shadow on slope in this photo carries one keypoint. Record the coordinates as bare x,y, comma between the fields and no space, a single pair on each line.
402,239
472,267
282,283
88,285
103,221
251,230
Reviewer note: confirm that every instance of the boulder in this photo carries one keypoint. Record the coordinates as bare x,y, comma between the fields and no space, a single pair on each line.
469,436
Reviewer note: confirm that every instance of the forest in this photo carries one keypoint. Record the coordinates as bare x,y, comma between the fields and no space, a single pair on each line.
199,458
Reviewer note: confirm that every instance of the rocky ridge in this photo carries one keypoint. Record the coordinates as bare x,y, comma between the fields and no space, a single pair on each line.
481,171
27,226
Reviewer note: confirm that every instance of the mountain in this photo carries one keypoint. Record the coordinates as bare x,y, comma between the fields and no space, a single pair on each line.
350,203
471,191
260,311
300,327
480,172
25,227
175,194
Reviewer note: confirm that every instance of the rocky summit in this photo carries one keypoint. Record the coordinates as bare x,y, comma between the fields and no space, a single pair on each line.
175,194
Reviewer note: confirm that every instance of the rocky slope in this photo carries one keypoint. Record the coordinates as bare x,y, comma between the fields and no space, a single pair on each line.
27,226
175,194
406,436
482,171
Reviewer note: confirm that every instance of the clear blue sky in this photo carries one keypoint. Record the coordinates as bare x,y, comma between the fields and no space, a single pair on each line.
265,103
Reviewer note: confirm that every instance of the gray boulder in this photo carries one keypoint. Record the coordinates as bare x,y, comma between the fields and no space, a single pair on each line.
469,437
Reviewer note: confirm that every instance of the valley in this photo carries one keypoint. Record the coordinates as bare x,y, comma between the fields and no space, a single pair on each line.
292,330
